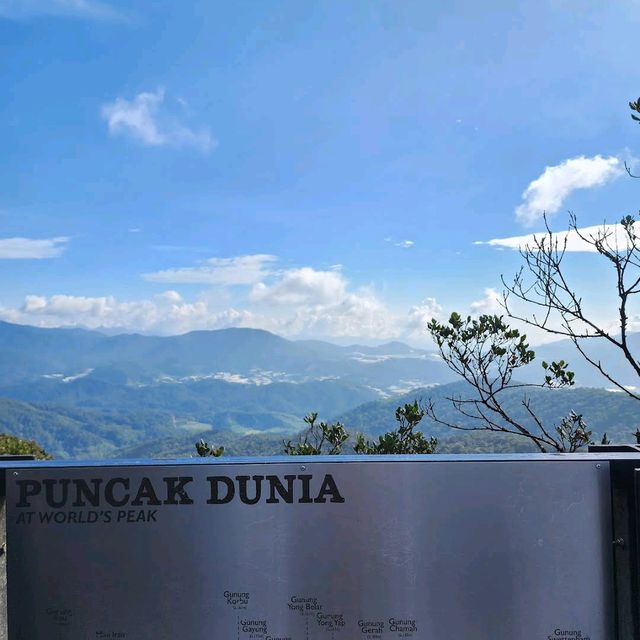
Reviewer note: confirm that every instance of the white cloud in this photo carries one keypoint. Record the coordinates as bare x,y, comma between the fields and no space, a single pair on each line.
296,303
240,270
166,313
171,296
306,301
488,304
87,9
353,315
574,243
30,249
547,193
67,306
136,117
248,292
304,286
420,315
143,120
359,314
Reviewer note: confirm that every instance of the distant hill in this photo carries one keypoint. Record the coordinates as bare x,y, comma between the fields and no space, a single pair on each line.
604,411
28,353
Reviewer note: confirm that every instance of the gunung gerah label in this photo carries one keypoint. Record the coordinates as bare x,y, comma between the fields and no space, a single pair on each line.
371,628
366,549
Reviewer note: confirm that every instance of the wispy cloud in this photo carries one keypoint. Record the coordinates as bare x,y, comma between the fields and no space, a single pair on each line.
85,9
574,243
181,247
31,249
145,120
547,193
239,270
403,244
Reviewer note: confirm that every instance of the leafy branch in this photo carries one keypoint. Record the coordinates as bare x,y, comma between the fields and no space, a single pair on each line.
485,352
404,440
319,439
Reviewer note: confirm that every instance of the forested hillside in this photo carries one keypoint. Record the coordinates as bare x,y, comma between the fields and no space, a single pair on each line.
604,411
130,430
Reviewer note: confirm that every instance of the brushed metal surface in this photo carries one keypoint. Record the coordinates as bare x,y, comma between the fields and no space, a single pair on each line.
423,550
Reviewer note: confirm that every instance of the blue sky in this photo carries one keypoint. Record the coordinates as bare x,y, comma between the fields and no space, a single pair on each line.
315,168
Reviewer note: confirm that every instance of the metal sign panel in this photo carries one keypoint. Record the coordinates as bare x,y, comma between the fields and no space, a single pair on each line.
320,550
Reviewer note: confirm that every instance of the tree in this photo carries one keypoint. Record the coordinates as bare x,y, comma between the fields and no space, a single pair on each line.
330,439
324,438
404,440
206,450
485,352
12,445
318,439
635,106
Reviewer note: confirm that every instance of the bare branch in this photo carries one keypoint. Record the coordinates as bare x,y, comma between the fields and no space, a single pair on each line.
563,313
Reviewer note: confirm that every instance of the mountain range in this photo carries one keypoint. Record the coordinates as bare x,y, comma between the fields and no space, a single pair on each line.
82,393
237,355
